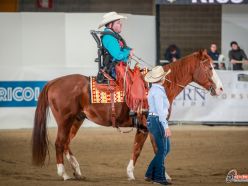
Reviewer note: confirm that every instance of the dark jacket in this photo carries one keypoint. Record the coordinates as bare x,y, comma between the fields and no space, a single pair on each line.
238,55
168,54
215,57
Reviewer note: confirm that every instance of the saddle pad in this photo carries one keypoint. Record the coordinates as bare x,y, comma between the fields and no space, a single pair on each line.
100,96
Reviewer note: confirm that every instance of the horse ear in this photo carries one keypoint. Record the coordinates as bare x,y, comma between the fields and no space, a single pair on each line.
205,52
202,52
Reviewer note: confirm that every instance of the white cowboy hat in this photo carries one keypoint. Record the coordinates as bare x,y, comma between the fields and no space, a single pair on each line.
109,17
156,74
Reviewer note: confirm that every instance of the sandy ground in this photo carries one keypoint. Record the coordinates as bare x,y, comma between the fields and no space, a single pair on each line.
200,155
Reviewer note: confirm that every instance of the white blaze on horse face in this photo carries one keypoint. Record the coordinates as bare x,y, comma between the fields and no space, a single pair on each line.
130,169
217,81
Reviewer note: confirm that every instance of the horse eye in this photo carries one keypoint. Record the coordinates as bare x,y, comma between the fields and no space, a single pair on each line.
210,68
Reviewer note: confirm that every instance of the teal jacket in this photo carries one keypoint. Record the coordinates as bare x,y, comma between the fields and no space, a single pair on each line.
114,48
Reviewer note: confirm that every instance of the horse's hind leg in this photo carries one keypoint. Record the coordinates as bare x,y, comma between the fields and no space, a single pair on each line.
68,153
140,138
62,138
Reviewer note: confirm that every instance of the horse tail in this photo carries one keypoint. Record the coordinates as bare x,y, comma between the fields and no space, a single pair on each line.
40,140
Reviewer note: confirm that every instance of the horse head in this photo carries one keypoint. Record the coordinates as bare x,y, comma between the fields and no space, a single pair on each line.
205,75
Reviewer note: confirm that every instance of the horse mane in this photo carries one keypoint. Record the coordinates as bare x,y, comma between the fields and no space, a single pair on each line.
181,74
181,67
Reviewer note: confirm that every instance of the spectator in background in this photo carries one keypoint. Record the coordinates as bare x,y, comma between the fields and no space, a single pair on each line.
214,54
172,53
237,56
216,57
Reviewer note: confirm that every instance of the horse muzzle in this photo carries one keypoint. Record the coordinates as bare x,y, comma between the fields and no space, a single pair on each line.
215,91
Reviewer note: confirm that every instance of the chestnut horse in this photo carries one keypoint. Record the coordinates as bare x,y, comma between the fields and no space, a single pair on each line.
69,100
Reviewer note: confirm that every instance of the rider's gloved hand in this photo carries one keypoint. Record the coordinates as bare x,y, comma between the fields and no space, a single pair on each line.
131,54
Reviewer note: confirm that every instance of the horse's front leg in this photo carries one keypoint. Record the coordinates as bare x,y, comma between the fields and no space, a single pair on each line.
139,140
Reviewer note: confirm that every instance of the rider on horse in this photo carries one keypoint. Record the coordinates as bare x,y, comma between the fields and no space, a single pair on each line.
115,46
115,57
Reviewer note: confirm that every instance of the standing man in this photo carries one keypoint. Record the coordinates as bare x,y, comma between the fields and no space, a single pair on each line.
157,124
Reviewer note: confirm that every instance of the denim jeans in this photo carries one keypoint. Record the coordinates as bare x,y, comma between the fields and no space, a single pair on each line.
156,168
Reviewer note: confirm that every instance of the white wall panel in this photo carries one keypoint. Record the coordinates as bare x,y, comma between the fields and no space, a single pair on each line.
43,39
10,39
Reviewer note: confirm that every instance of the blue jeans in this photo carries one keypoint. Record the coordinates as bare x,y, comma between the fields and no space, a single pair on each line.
156,169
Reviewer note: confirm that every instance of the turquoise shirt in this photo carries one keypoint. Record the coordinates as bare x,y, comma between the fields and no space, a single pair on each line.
114,48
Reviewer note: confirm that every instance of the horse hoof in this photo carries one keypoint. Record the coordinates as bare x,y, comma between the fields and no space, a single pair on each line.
66,177
79,177
131,179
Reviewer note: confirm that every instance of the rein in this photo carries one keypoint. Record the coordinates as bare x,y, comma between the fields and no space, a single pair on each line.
182,86
139,59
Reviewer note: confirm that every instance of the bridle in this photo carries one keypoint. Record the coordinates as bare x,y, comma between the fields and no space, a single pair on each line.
197,87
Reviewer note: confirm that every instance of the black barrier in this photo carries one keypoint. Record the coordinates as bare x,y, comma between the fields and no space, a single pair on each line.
201,2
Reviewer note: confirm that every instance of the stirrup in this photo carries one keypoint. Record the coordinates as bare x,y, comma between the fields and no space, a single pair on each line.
132,113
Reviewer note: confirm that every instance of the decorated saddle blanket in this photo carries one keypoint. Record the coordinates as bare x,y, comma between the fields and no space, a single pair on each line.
102,93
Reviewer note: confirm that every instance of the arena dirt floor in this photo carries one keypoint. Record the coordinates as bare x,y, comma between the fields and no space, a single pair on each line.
200,155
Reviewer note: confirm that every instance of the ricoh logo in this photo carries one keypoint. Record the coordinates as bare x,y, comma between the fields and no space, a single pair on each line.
191,97
218,1
20,93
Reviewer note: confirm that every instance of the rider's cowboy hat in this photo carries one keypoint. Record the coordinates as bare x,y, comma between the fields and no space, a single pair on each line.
110,17
156,74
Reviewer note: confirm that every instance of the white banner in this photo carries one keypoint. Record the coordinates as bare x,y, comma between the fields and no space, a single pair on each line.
194,105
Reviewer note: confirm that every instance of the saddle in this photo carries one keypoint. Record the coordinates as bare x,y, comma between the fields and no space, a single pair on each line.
129,87
109,85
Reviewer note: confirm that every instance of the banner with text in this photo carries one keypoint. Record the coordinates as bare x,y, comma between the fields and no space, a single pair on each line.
20,93
193,104
18,98
201,2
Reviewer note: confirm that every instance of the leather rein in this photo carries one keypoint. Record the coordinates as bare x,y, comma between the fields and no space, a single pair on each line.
139,60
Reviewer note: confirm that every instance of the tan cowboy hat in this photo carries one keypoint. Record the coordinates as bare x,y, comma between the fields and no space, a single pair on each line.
109,17
156,74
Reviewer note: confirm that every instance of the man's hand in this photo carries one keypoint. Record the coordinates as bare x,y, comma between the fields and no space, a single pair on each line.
174,59
167,132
